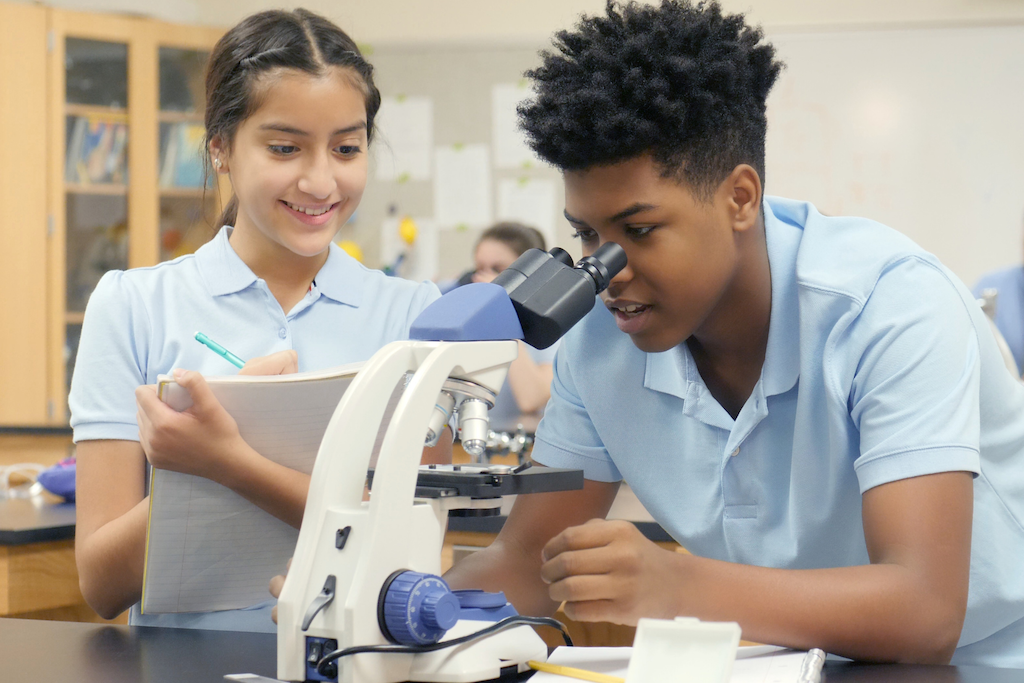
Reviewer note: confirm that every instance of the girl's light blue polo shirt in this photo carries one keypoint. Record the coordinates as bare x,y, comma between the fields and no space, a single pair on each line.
880,366
140,323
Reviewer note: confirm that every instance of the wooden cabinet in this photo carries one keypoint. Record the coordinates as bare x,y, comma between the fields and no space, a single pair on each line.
23,241
101,161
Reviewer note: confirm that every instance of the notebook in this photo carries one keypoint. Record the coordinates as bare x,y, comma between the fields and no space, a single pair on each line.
208,548
757,663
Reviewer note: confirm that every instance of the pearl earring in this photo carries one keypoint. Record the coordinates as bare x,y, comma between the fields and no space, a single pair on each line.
216,164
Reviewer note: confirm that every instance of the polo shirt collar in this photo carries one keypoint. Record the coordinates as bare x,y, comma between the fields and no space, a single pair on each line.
222,269
674,372
782,356
340,278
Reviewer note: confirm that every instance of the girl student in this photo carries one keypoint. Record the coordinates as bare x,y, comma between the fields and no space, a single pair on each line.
813,406
290,112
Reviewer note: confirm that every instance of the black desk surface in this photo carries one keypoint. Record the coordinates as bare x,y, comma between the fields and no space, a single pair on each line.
32,520
57,651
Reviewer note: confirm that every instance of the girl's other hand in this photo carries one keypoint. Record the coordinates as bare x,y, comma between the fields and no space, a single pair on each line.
202,440
280,363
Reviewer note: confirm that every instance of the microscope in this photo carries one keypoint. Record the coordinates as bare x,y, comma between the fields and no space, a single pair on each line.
363,601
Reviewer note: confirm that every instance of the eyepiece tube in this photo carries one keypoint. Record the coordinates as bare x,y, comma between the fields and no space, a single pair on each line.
604,264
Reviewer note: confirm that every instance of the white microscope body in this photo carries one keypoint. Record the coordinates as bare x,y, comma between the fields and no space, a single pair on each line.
393,530
349,550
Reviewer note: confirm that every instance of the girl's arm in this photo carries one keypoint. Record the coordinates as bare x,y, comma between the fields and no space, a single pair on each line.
530,381
111,514
204,441
908,605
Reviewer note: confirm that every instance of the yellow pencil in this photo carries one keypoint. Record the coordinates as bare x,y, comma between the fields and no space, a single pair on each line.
569,671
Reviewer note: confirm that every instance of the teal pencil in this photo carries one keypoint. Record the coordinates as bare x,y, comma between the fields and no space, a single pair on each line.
219,350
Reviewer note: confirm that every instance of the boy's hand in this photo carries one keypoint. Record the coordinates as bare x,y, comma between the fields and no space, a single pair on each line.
608,571
280,363
202,440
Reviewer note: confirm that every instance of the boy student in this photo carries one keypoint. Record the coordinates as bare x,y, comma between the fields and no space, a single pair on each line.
813,406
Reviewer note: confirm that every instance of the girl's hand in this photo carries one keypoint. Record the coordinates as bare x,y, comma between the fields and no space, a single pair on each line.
608,571
202,440
280,363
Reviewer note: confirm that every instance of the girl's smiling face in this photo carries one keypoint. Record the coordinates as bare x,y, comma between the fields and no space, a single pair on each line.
298,164
686,256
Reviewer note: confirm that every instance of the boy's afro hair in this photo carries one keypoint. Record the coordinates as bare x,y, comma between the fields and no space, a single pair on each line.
681,82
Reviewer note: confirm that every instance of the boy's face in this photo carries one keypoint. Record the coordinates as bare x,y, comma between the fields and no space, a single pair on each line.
683,252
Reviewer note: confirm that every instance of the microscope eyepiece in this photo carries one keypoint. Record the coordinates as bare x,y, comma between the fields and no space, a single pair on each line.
603,265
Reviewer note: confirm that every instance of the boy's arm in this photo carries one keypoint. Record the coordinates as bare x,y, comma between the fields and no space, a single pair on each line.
907,605
512,562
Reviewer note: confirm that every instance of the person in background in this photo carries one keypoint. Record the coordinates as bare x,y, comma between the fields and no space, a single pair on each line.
289,116
1009,318
528,385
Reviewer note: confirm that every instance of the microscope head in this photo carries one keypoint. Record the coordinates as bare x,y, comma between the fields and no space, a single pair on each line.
550,295
547,293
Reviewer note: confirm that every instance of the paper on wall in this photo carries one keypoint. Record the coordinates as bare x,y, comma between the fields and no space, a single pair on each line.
406,129
530,201
462,186
510,148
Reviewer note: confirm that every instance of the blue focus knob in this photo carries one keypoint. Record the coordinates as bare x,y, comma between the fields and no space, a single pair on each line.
416,608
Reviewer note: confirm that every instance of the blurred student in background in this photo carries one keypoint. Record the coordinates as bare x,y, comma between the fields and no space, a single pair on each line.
528,386
1009,317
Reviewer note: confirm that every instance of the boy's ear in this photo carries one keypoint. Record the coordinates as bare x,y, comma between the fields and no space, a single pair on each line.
743,196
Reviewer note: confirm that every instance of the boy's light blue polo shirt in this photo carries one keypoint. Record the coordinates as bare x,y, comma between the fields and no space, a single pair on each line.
880,366
141,323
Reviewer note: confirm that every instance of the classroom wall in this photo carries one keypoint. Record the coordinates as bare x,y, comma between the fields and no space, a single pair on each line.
532,20
181,11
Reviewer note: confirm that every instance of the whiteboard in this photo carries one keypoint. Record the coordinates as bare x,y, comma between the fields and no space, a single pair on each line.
921,129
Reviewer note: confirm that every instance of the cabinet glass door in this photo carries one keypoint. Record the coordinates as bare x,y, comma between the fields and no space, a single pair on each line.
187,196
95,174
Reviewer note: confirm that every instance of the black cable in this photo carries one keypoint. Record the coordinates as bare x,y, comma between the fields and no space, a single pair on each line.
505,623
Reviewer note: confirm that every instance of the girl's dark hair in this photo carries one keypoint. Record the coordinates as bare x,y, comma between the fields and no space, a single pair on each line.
516,236
269,40
682,82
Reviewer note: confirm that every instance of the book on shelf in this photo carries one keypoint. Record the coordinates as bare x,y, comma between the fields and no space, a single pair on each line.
182,155
97,151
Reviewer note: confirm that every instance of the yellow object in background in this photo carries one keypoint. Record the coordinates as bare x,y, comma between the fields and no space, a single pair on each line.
407,230
352,249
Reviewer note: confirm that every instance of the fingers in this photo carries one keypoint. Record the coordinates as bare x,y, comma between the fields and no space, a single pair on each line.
596,610
593,534
196,386
276,584
280,363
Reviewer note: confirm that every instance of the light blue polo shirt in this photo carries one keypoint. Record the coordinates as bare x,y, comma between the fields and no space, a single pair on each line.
880,366
141,323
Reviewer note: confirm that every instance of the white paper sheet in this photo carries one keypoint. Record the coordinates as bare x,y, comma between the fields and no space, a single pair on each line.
510,148
209,548
758,664
462,186
406,130
530,201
